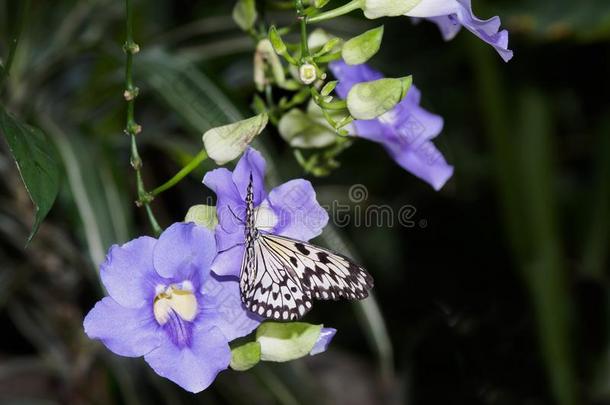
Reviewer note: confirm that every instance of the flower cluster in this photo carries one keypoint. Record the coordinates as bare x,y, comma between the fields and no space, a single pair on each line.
176,300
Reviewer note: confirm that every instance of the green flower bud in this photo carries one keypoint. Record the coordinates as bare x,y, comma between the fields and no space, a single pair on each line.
286,341
307,73
202,215
245,356
306,130
244,14
388,8
225,143
361,48
369,100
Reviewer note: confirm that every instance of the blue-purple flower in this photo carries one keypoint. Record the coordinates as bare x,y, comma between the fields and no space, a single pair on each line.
164,304
451,15
290,209
405,131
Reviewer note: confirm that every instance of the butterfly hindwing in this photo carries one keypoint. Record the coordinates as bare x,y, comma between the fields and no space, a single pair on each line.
281,276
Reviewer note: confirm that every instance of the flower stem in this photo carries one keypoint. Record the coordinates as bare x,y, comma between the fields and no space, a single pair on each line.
336,12
303,23
192,165
131,127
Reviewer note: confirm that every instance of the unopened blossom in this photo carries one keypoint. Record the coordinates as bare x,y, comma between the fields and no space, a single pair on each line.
405,131
164,304
289,210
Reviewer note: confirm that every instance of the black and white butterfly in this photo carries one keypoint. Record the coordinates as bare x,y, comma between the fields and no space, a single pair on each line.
281,276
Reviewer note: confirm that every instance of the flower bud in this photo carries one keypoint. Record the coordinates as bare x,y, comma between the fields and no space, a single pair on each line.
369,100
225,143
202,215
307,73
361,48
388,8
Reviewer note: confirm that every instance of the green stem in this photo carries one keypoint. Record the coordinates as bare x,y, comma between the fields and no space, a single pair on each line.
303,23
336,12
131,127
192,165
6,67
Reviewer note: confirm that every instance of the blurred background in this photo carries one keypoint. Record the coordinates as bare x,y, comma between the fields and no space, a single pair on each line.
498,293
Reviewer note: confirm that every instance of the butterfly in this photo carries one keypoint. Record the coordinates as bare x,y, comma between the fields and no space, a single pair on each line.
280,276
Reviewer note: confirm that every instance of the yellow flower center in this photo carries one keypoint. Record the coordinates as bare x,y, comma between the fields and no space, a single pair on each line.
179,300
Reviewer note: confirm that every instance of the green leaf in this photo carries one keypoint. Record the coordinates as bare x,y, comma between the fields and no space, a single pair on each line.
286,341
227,142
246,356
244,14
36,162
369,100
202,215
361,48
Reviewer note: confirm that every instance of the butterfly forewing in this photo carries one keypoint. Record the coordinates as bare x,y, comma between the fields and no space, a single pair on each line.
284,275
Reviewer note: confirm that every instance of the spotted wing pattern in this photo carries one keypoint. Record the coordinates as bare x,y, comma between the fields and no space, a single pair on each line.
281,276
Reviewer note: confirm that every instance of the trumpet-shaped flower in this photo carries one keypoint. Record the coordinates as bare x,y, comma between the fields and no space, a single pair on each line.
405,131
452,15
290,209
164,304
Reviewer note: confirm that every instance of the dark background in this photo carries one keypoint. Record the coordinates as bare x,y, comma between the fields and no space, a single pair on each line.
497,295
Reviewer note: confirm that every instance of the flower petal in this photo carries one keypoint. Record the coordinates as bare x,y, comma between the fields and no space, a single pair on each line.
326,336
222,307
300,215
128,272
449,15
131,332
229,202
196,366
425,162
251,163
228,263
185,252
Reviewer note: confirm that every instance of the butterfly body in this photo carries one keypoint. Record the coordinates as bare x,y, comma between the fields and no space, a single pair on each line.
281,276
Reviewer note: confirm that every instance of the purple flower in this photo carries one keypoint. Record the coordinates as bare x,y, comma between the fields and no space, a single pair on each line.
326,336
451,15
290,209
404,131
164,304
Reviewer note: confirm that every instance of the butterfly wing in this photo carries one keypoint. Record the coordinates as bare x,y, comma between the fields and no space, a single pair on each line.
286,274
270,286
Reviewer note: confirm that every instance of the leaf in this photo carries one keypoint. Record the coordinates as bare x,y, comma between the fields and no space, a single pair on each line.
286,341
36,162
246,356
361,48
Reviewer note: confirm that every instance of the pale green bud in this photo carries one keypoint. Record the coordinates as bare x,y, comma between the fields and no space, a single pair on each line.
245,356
369,100
286,341
361,48
308,73
202,215
388,8
244,14
226,143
